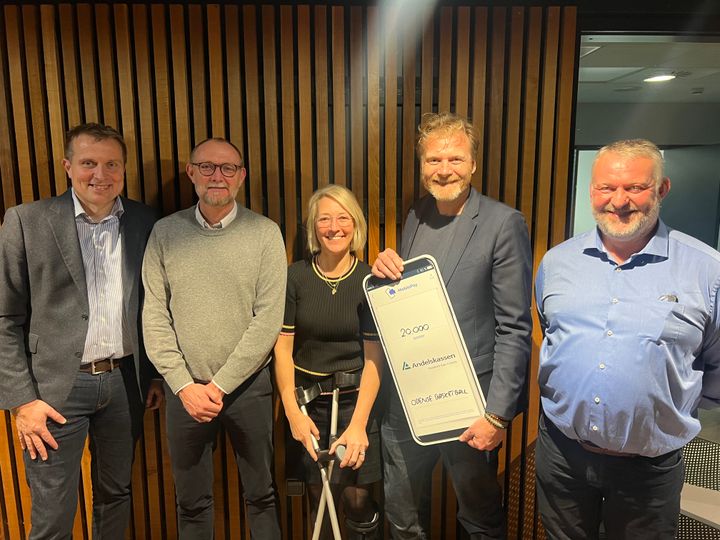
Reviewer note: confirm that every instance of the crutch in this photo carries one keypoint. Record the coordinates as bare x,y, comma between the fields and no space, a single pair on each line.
341,380
325,460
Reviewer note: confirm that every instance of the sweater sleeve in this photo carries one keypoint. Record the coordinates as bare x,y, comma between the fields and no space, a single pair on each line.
159,334
253,350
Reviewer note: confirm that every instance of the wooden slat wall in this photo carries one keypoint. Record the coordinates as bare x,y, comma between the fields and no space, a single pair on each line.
312,94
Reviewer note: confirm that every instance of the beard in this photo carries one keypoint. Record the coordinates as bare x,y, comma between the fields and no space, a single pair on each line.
639,224
449,192
216,199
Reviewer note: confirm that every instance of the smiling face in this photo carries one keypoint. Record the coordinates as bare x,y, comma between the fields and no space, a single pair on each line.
334,227
447,165
215,191
625,197
97,171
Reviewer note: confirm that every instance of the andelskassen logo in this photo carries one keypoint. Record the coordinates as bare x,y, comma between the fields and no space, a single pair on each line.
390,292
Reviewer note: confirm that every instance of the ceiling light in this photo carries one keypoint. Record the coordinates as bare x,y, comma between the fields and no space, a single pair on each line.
660,78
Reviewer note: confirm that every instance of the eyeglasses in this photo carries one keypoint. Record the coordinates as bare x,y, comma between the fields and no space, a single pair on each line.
207,168
325,221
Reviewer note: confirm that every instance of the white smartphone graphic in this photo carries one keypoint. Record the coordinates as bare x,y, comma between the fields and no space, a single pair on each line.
427,356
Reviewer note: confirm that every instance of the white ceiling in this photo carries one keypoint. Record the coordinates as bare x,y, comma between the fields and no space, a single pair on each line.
612,69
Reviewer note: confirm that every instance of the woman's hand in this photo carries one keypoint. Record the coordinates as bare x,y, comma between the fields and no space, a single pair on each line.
355,441
304,430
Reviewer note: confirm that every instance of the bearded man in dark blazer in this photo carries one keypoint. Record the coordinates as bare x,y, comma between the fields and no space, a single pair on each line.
483,252
72,362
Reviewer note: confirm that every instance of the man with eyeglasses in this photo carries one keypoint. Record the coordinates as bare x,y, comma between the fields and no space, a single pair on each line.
215,278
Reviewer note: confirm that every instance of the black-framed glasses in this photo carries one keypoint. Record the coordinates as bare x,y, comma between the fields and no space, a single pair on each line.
207,168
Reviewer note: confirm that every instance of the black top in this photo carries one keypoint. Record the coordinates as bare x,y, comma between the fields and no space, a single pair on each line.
328,328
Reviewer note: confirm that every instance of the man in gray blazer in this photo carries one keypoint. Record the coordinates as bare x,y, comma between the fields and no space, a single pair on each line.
483,252
72,362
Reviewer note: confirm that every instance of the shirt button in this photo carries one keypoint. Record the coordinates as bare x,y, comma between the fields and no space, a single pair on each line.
601,366
609,332
618,269
597,399
615,300
84,317
594,428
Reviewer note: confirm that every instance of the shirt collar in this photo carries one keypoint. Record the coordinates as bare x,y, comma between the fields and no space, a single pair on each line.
224,222
116,210
657,246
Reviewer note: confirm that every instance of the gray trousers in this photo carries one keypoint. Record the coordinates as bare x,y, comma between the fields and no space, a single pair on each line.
247,418
106,408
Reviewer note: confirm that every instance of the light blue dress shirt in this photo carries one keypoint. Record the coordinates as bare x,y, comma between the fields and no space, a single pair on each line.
631,350
101,247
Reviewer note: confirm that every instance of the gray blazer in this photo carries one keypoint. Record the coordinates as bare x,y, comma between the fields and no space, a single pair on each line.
488,278
43,298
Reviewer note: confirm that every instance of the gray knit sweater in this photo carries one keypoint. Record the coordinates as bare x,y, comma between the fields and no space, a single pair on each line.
214,298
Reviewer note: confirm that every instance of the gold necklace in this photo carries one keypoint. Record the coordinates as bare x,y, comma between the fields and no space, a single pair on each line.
332,283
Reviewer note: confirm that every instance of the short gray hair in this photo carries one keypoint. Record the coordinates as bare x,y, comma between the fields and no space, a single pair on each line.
636,148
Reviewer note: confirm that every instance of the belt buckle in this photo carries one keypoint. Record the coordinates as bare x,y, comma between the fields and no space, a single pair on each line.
93,371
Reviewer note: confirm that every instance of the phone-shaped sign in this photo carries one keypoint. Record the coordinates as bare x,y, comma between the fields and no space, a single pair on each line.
425,351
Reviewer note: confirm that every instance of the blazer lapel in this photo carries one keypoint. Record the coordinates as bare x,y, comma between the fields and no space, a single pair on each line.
464,230
129,239
62,224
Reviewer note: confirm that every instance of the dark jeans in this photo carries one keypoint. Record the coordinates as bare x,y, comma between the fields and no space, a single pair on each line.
247,418
635,497
408,476
108,409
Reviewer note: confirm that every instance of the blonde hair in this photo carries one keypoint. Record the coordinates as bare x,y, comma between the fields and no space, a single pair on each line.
444,123
633,149
345,198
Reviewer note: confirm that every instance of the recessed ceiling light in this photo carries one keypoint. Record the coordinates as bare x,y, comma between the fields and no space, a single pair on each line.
660,78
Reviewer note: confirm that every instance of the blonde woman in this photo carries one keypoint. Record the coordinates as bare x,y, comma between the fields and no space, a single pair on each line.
328,329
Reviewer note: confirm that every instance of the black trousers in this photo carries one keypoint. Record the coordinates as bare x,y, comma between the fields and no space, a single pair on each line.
635,497
247,418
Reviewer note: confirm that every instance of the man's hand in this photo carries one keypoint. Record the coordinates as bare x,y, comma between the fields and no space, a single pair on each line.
304,431
155,395
31,421
388,265
482,435
355,441
199,402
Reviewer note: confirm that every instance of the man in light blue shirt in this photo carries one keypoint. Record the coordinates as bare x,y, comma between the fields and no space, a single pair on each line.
631,319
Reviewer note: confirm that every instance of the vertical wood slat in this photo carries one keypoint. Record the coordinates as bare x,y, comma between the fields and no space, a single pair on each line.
163,117
7,156
233,49
373,132
215,71
106,64
391,129
252,94
17,78
305,115
287,68
323,84
478,95
145,107
338,93
126,85
357,135
183,133
55,97
88,63
321,93
32,39
272,142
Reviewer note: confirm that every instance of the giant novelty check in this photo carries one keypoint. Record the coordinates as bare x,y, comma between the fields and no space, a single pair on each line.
425,351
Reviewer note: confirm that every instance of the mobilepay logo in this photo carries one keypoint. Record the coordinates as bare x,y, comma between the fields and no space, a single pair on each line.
393,291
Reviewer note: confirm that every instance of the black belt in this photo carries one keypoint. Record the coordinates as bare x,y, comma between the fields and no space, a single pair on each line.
103,366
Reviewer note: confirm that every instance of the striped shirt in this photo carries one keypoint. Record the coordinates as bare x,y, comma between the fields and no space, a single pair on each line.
102,259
